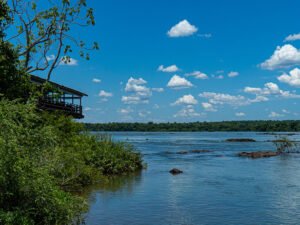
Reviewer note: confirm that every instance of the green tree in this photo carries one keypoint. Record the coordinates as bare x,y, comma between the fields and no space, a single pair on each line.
13,82
44,32
5,18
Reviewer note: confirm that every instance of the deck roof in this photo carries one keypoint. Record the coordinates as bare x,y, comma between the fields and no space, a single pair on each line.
65,89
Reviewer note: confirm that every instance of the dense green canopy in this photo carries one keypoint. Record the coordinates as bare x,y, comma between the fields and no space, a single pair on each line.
288,125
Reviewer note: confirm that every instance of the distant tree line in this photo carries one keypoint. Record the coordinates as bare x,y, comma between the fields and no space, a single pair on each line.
260,125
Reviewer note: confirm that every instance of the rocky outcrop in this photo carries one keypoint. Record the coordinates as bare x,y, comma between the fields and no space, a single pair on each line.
175,171
260,154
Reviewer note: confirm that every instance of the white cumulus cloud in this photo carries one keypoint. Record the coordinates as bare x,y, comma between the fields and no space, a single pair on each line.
87,109
275,115
233,74
285,56
168,69
177,82
208,107
96,80
144,113
216,99
50,57
208,35
198,75
187,111
221,98
253,90
105,94
258,98
136,85
158,89
292,79
270,89
285,111
186,100
134,100
219,77
182,29
240,114
139,93
292,37
125,111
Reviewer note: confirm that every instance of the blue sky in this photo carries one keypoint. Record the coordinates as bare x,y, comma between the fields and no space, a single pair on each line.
189,60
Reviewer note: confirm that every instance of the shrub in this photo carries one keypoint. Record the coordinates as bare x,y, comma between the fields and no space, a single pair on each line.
111,158
284,145
45,159
28,192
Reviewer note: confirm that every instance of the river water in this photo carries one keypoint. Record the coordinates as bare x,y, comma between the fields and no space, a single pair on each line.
215,188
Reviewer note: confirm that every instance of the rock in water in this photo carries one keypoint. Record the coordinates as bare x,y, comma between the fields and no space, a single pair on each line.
200,151
255,155
182,152
175,171
240,140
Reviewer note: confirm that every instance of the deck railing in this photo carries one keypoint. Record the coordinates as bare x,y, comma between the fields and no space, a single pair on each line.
51,104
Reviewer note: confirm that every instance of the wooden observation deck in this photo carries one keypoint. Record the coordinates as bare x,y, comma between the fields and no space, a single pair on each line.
68,101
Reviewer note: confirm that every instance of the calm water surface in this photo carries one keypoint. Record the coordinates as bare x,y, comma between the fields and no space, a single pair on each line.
215,188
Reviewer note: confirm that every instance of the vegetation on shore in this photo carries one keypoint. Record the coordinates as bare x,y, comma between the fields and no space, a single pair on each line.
45,159
263,126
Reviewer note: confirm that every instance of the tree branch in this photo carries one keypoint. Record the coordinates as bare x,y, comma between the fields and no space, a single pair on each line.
57,55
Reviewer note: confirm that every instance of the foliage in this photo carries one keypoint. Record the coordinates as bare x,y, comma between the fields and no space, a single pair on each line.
118,161
45,159
28,192
44,32
284,145
5,18
264,126
13,82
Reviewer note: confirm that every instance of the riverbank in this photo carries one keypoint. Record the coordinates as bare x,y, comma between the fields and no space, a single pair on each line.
46,159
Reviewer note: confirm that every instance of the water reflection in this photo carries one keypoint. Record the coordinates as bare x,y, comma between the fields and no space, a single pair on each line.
124,184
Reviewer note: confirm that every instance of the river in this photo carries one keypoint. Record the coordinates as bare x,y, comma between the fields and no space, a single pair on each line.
215,188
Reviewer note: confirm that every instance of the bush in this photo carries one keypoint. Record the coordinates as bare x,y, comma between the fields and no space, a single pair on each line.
117,161
45,159
284,145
